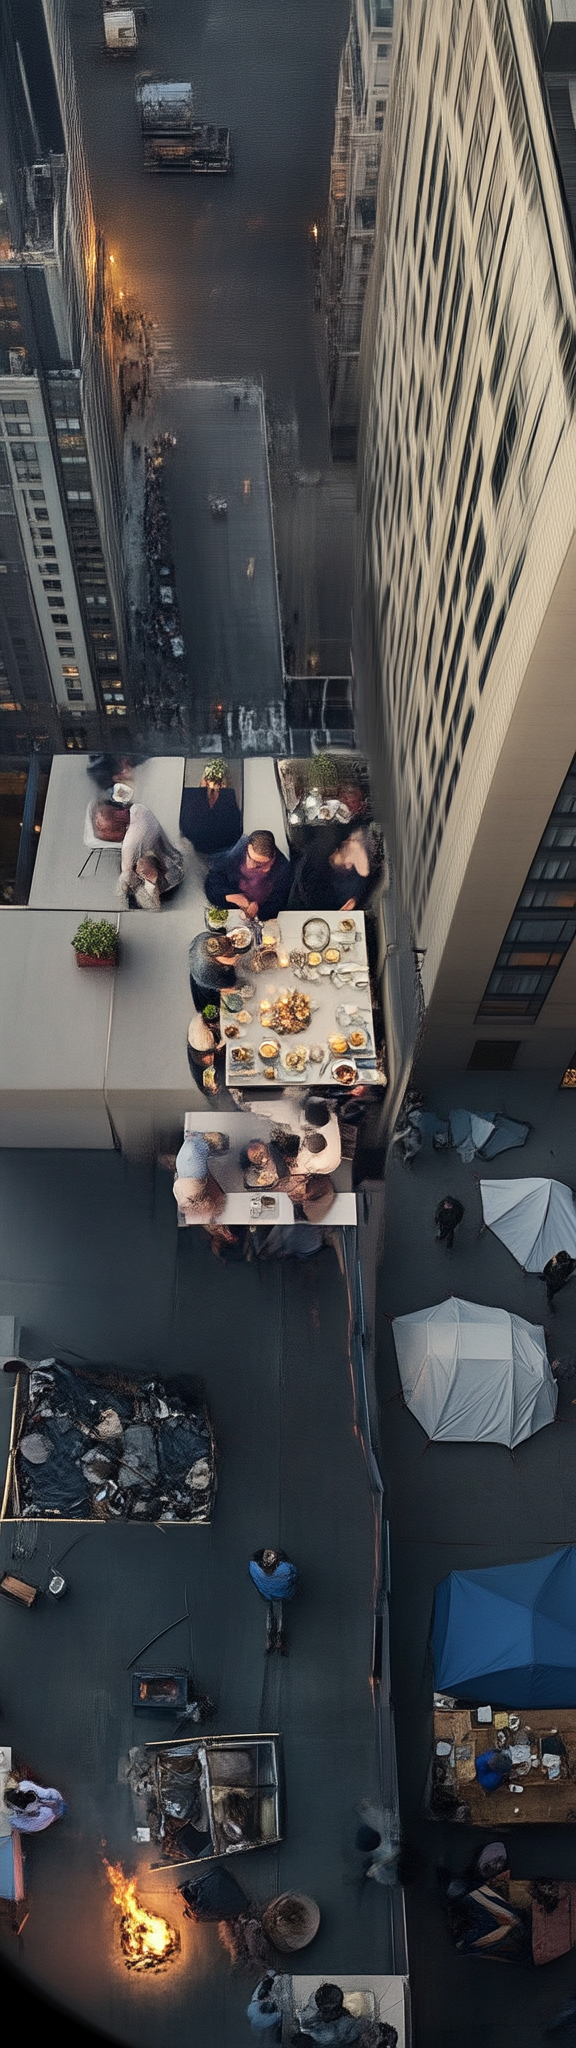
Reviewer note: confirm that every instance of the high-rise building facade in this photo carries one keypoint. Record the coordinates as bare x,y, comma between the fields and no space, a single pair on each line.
363,88
465,612
62,617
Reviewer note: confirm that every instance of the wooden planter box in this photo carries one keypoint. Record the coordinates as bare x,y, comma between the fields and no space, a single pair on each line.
88,960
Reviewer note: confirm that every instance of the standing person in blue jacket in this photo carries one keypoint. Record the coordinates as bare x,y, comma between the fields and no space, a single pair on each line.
276,1579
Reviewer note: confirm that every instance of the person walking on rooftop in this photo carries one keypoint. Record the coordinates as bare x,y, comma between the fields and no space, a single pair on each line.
448,1216
276,1579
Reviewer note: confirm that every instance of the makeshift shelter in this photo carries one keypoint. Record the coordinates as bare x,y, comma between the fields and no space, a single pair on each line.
534,1218
507,1634
485,1132
474,1375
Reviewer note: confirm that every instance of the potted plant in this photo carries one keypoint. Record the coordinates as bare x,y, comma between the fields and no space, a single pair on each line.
96,943
321,773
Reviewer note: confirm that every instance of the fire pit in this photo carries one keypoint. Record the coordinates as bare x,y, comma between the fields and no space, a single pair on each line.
147,1941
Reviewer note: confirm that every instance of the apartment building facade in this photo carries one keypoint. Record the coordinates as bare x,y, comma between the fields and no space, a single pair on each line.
63,634
363,88
465,612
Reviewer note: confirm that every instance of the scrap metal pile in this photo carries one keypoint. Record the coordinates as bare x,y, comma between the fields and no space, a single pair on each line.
103,1447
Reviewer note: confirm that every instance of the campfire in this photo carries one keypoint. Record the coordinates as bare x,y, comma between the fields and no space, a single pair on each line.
147,1941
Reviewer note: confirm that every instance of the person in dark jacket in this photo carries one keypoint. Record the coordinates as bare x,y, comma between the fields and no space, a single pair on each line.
334,876
448,1216
254,876
556,1273
210,816
212,963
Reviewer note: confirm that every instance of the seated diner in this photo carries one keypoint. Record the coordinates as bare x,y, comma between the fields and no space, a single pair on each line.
334,876
198,1195
253,877
150,867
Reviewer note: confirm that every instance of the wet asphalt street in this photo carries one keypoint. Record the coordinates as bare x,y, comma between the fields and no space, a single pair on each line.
224,267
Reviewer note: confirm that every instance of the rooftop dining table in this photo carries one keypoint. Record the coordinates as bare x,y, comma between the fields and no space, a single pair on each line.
332,977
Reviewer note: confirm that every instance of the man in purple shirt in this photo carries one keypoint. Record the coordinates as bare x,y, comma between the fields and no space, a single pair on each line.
276,1579
252,875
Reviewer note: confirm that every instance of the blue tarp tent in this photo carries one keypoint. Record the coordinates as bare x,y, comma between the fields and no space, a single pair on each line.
507,1635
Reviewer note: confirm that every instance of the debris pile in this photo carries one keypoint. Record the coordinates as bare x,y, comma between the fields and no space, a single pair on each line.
101,1447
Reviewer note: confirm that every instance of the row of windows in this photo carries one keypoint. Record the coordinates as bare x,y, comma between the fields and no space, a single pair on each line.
534,947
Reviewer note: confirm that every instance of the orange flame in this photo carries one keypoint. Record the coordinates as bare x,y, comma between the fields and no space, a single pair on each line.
147,1939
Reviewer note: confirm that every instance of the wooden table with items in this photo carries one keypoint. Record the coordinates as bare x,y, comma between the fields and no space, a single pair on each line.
302,1013
532,1794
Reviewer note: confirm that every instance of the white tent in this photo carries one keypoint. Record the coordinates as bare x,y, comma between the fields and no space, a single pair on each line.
534,1218
474,1375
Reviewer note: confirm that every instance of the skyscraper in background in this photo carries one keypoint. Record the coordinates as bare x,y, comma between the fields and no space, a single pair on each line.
363,88
465,611
62,616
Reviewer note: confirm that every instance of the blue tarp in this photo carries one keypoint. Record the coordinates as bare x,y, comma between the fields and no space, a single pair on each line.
507,1635
9,1888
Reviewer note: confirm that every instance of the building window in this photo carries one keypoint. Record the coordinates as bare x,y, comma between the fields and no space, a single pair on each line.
455,393
499,358
493,1055
454,311
471,48
433,173
475,565
442,206
483,613
379,116
506,445
491,648
534,946
445,281
491,216
479,139
467,727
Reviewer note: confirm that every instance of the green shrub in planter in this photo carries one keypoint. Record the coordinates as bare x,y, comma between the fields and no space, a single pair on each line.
322,774
96,940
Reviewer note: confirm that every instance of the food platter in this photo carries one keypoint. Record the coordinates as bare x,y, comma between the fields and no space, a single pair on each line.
241,938
290,1012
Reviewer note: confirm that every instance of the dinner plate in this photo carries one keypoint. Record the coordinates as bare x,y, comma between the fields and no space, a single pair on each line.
344,1071
232,1000
295,1059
